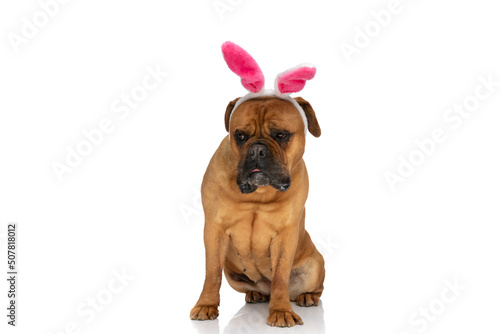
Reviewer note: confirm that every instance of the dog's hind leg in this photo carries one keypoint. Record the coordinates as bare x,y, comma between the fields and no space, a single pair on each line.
256,297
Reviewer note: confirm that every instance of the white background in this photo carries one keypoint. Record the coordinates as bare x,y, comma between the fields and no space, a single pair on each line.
132,204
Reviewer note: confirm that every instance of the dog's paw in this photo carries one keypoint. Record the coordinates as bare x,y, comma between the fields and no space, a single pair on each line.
308,299
204,312
256,297
284,319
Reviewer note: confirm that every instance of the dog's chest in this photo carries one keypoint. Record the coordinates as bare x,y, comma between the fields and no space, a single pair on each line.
251,236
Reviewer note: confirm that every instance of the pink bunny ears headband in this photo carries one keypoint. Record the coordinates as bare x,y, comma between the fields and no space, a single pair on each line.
290,81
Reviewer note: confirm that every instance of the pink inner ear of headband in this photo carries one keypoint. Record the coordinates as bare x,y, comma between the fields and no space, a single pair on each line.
244,66
294,80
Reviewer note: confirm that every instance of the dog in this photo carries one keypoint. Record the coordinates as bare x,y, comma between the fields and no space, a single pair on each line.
253,194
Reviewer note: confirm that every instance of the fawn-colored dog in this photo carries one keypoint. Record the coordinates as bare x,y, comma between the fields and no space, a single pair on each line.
253,194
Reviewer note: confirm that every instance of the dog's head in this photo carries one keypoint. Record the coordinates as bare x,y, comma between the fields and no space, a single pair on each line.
267,127
267,137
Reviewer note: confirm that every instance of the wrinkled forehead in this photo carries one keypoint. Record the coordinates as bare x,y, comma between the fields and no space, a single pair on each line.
270,113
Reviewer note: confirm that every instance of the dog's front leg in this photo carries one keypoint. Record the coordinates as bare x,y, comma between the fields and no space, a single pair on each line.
283,249
216,243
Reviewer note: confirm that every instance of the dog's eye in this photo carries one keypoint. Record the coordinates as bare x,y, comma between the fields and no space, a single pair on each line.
240,137
282,136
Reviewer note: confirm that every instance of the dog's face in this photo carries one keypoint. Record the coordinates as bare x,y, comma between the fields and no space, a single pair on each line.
268,139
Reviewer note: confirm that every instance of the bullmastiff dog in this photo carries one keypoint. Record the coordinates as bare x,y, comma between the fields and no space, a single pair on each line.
253,195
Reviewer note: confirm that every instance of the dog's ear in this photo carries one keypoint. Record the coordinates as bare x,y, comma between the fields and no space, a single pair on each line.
312,121
229,109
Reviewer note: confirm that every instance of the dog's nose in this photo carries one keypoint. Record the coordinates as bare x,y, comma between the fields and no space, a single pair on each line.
257,151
